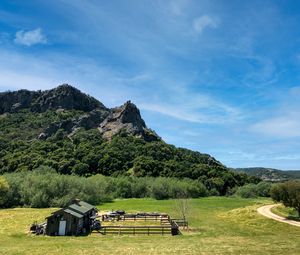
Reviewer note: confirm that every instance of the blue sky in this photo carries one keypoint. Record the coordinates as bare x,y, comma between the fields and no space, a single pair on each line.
220,77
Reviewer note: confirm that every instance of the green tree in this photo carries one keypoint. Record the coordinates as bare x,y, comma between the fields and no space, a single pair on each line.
4,188
81,169
287,193
247,191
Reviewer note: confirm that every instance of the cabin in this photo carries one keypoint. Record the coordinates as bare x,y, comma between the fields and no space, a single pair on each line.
75,219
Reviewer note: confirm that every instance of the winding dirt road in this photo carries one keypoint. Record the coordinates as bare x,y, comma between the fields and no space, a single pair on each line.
266,211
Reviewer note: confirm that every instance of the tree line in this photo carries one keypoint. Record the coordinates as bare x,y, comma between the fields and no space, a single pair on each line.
44,187
86,153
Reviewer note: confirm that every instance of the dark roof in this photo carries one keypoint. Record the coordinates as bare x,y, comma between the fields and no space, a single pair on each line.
85,204
78,215
79,209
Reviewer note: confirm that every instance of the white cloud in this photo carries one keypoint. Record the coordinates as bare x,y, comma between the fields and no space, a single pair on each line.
177,7
204,22
286,126
195,108
282,121
30,37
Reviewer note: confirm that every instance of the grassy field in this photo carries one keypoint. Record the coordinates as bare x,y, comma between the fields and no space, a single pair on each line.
219,225
287,212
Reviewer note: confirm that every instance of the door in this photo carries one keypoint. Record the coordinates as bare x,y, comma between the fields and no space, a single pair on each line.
62,228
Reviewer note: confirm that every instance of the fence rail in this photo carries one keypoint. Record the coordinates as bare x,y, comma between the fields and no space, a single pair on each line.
134,217
133,230
167,225
181,222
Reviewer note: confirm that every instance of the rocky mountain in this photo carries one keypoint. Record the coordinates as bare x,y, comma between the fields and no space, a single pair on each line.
94,114
63,97
74,133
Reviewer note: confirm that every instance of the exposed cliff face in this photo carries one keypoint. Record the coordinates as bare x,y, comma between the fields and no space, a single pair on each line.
63,97
109,122
128,118
11,102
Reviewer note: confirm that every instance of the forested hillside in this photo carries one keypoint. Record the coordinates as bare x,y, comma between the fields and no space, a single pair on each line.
270,174
88,139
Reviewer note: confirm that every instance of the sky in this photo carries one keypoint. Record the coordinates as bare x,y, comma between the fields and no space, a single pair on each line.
219,77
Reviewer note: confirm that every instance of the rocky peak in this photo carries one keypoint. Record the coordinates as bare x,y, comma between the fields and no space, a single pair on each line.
12,101
126,117
128,113
108,121
66,97
62,97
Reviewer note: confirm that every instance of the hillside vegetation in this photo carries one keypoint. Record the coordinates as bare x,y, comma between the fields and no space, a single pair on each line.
73,133
270,174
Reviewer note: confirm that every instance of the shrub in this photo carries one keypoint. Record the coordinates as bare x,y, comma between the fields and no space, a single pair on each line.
247,191
160,189
4,188
263,189
287,193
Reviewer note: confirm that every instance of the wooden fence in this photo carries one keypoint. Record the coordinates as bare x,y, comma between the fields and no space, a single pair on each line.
181,222
136,217
167,226
140,230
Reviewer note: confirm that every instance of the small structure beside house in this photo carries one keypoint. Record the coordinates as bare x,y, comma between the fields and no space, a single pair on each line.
75,219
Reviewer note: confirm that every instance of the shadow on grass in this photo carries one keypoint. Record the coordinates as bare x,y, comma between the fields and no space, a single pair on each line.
291,217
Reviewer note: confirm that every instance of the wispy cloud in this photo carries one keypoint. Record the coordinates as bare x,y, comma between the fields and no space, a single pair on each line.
285,126
30,37
204,22
194,108
282,121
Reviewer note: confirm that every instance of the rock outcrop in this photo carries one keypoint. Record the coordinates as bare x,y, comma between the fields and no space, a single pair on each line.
63,97
126,118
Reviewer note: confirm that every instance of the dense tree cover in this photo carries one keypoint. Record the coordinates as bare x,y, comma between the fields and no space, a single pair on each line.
287,193
251,190
44,187
85,153
4,188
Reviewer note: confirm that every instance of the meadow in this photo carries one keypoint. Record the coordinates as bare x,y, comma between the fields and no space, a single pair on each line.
218,225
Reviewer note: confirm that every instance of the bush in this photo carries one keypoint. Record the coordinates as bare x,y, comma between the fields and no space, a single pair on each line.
287,193
261,189
4,188
247,191
160,189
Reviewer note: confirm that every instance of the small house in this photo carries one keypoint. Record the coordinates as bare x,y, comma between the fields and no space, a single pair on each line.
75,219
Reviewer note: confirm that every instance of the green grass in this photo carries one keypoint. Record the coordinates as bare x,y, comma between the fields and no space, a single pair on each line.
286,212
219,225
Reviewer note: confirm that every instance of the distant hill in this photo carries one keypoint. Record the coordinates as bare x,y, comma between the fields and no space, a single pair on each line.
74,133
270,174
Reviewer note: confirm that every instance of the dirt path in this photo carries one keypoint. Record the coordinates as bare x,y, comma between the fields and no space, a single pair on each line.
266,211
